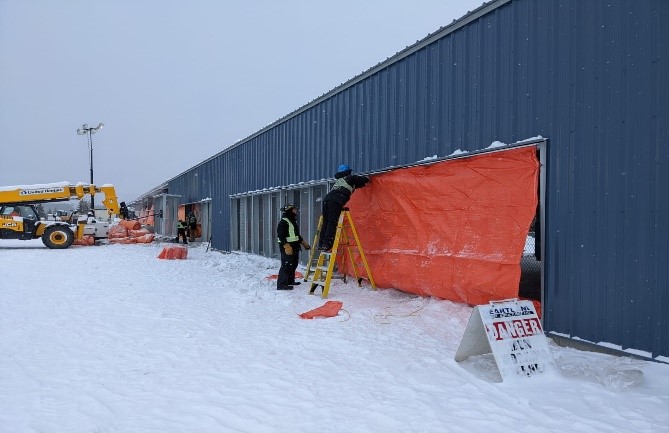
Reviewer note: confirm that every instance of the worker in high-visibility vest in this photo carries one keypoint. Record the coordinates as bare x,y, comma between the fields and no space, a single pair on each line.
290,243
334,202
181,232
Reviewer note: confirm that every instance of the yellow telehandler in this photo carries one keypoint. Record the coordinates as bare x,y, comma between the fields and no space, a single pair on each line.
19,218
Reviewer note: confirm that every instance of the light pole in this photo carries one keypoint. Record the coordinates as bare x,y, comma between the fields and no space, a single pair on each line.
90,130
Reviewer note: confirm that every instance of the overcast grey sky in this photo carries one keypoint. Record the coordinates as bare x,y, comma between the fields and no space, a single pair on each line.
176,82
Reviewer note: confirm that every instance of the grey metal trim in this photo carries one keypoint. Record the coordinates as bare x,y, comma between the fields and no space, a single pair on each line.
588,346
543,148
529,142
280,188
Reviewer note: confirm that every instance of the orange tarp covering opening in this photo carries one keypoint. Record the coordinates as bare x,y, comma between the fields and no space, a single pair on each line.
329,309
454,230
147,216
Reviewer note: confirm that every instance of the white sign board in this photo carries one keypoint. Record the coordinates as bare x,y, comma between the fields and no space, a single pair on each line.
512,331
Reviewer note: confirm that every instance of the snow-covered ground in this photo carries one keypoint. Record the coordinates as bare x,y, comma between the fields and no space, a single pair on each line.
112,339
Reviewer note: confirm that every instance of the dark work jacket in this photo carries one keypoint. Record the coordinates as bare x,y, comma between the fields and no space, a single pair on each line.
282,230
125,213
342,195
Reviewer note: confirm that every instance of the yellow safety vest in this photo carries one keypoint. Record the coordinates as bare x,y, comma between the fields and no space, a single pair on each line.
292,237
341,183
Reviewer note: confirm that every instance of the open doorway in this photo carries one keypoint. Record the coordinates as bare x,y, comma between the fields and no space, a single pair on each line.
198,219
531,265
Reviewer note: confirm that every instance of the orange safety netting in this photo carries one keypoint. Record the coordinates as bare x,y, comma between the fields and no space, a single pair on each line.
454,230
329,309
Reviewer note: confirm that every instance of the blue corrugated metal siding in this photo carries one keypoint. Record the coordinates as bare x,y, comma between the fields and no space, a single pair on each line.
589,75
604,221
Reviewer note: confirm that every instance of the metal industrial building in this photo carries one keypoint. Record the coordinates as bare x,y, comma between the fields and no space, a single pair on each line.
589,77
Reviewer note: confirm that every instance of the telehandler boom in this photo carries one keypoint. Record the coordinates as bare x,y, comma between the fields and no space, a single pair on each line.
19,218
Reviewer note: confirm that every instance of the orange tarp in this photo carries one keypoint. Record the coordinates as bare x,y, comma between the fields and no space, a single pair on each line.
298,275
147,216
173,253
454,229
329,309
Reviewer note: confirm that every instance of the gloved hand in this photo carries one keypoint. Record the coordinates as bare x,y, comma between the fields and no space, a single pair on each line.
288,249
305,245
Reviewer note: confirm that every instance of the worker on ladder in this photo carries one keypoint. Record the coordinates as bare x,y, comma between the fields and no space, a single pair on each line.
290,241
334,202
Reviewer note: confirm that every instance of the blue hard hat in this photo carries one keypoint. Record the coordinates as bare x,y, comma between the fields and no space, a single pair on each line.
343,167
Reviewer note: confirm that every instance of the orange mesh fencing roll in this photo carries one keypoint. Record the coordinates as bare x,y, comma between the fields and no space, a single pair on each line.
138,233
122,240
117,231
130,224
85,241
144,239
455,229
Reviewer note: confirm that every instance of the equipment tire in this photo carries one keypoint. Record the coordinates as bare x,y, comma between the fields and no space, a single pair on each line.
58,237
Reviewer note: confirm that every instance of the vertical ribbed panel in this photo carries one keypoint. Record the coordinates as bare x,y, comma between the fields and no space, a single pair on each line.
591,76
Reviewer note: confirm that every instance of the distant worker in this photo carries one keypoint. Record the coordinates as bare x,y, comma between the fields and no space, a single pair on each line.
335,201
125,213
192,226
181,232
290,241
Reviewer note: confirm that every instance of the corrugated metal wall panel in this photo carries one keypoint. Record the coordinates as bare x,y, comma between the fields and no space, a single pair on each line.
605,125
590,76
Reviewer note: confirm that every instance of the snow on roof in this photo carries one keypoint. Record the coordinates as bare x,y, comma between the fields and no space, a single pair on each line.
37,185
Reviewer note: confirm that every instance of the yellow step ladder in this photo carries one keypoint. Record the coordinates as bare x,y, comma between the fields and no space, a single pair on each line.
321,268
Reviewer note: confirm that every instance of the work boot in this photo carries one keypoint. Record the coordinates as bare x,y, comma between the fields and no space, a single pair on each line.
284,287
